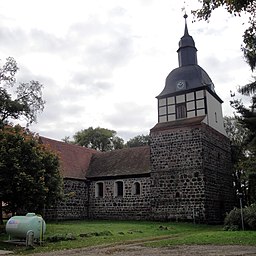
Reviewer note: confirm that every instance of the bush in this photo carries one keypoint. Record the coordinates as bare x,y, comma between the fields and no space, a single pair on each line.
250,216
102,233
61,237
233,219
2,229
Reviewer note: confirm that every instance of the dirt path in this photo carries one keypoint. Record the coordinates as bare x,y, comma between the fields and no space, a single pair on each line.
137,249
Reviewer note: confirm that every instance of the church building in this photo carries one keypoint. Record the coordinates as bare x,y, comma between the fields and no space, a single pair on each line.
185,172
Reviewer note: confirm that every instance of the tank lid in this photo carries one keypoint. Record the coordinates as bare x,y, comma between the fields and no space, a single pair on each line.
30,214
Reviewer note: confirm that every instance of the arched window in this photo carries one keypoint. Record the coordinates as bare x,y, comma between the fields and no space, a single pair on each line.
99,189
136,188
119,188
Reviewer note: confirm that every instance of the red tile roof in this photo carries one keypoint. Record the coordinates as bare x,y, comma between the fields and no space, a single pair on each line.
74,159
121,162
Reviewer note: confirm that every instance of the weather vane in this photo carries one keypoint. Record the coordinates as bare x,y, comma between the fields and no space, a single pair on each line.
183,9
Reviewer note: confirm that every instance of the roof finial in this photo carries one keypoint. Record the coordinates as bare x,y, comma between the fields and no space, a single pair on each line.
185,17
186,27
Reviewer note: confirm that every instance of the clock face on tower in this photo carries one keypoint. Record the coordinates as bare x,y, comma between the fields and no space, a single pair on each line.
181,85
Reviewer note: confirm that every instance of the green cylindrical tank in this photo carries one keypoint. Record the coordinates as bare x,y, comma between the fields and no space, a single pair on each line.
18,226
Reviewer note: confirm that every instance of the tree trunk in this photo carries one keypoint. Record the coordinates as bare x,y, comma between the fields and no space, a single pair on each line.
1,212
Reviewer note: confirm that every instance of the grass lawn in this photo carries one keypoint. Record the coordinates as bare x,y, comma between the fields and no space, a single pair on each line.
90,233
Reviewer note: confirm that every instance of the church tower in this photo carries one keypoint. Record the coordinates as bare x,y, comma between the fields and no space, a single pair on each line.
189,91
190,152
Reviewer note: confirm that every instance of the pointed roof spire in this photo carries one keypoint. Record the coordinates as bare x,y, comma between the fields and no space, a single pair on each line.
186,27
188,71
187,50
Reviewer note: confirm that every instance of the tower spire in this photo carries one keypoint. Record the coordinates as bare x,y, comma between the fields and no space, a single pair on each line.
187,50
186,26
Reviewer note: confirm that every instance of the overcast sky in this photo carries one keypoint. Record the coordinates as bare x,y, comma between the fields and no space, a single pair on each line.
103,62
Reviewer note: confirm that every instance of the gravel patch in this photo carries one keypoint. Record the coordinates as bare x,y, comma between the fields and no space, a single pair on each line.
139,250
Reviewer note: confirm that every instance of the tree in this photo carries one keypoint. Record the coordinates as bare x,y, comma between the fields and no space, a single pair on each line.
29,171
243,160
101,139
66,139
235,131
137,141
247,161
245,176
118,143
28,100
235,7
246,116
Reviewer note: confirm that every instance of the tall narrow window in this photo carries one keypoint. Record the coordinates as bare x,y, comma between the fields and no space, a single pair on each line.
181,111
99,189
136,188
119,188
216,119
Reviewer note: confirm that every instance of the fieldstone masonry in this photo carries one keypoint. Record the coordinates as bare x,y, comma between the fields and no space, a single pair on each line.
190,178
129,206
191,173
75,203
187,173
219,191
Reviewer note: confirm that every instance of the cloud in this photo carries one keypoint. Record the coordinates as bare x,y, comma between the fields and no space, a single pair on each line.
132,115
107,45
88,84
10,37
103,62
130,119
117,12
113,53
41,41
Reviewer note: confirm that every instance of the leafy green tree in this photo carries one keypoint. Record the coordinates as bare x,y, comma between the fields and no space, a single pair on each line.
118,143
16,101
246,116
137,141
245,177
29,171
101,139
237,8
237,135
235,131
244,161
67,139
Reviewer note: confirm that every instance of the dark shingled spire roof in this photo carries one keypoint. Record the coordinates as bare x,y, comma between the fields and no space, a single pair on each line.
188,70
187,50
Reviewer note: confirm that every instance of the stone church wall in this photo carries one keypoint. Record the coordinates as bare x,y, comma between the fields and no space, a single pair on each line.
191,175
129,206
178,190
190,179
219,191
75,203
